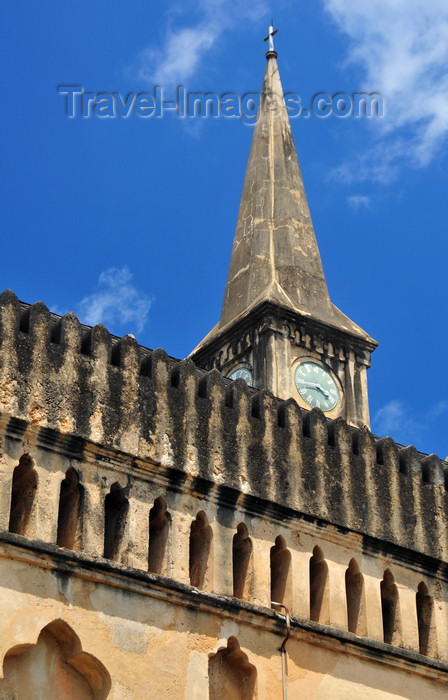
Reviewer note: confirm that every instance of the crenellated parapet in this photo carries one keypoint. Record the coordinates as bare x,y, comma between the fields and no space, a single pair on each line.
56,373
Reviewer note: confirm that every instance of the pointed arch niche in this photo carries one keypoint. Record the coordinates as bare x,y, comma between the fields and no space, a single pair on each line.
390,610
231,676
159,530
71,499
281,581
23,492
319,588
427,635
116,507
201,536
55,667
356,606
241,563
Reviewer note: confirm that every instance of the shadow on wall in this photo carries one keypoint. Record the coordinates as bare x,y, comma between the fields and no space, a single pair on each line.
54,668
70,512
319,589
281,582
356,604
159,528
241,563
427,634
73,511
201,536
116,506
24,486
231,676
390,609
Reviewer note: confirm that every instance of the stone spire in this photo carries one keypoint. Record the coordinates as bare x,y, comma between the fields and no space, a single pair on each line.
277,322
275,255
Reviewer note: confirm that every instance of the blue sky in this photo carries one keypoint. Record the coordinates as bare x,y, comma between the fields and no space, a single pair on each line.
131,221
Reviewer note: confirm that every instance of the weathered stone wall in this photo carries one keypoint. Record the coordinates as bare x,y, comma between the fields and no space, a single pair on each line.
151,638
56,373
112,457
51,455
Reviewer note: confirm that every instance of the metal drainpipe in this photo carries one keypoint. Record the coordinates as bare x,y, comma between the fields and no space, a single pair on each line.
282,647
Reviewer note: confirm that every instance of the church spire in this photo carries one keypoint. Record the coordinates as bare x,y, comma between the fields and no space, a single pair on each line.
275,255
278,328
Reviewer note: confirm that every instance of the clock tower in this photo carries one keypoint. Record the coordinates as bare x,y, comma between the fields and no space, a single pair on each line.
278,328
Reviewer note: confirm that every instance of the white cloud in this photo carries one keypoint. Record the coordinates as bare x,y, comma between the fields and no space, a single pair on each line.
403,424
392,419
358,201
402,48
116,300
185,48
179,58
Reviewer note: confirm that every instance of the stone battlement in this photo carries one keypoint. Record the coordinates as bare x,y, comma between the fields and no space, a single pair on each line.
56,373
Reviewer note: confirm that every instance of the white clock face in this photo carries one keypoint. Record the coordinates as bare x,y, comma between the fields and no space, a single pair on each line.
316,386
242,373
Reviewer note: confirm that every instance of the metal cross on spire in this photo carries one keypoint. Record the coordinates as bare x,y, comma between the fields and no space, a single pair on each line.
270,36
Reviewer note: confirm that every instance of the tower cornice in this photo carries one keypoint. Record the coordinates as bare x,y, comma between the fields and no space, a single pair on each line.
299,325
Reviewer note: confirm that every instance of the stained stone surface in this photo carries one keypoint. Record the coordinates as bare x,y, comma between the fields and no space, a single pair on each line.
275,255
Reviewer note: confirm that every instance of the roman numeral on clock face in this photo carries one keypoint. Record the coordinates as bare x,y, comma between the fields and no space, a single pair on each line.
316,385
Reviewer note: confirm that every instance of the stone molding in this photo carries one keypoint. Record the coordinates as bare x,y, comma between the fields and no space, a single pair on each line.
55,373
65,563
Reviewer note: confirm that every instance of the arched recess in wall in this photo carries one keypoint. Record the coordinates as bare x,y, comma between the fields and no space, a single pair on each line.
427,634
390,609
319,588
356,606
281,580
116,506
159,529
23,492
241,563
55,667
201,536
70,510
231,676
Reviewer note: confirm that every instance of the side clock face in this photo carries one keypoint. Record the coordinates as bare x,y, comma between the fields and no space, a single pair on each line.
316,386
242,373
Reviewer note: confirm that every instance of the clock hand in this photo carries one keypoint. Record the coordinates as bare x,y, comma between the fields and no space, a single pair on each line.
311,384
324,391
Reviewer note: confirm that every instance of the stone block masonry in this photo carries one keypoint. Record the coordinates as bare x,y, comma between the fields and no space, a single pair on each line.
137,489
56,373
